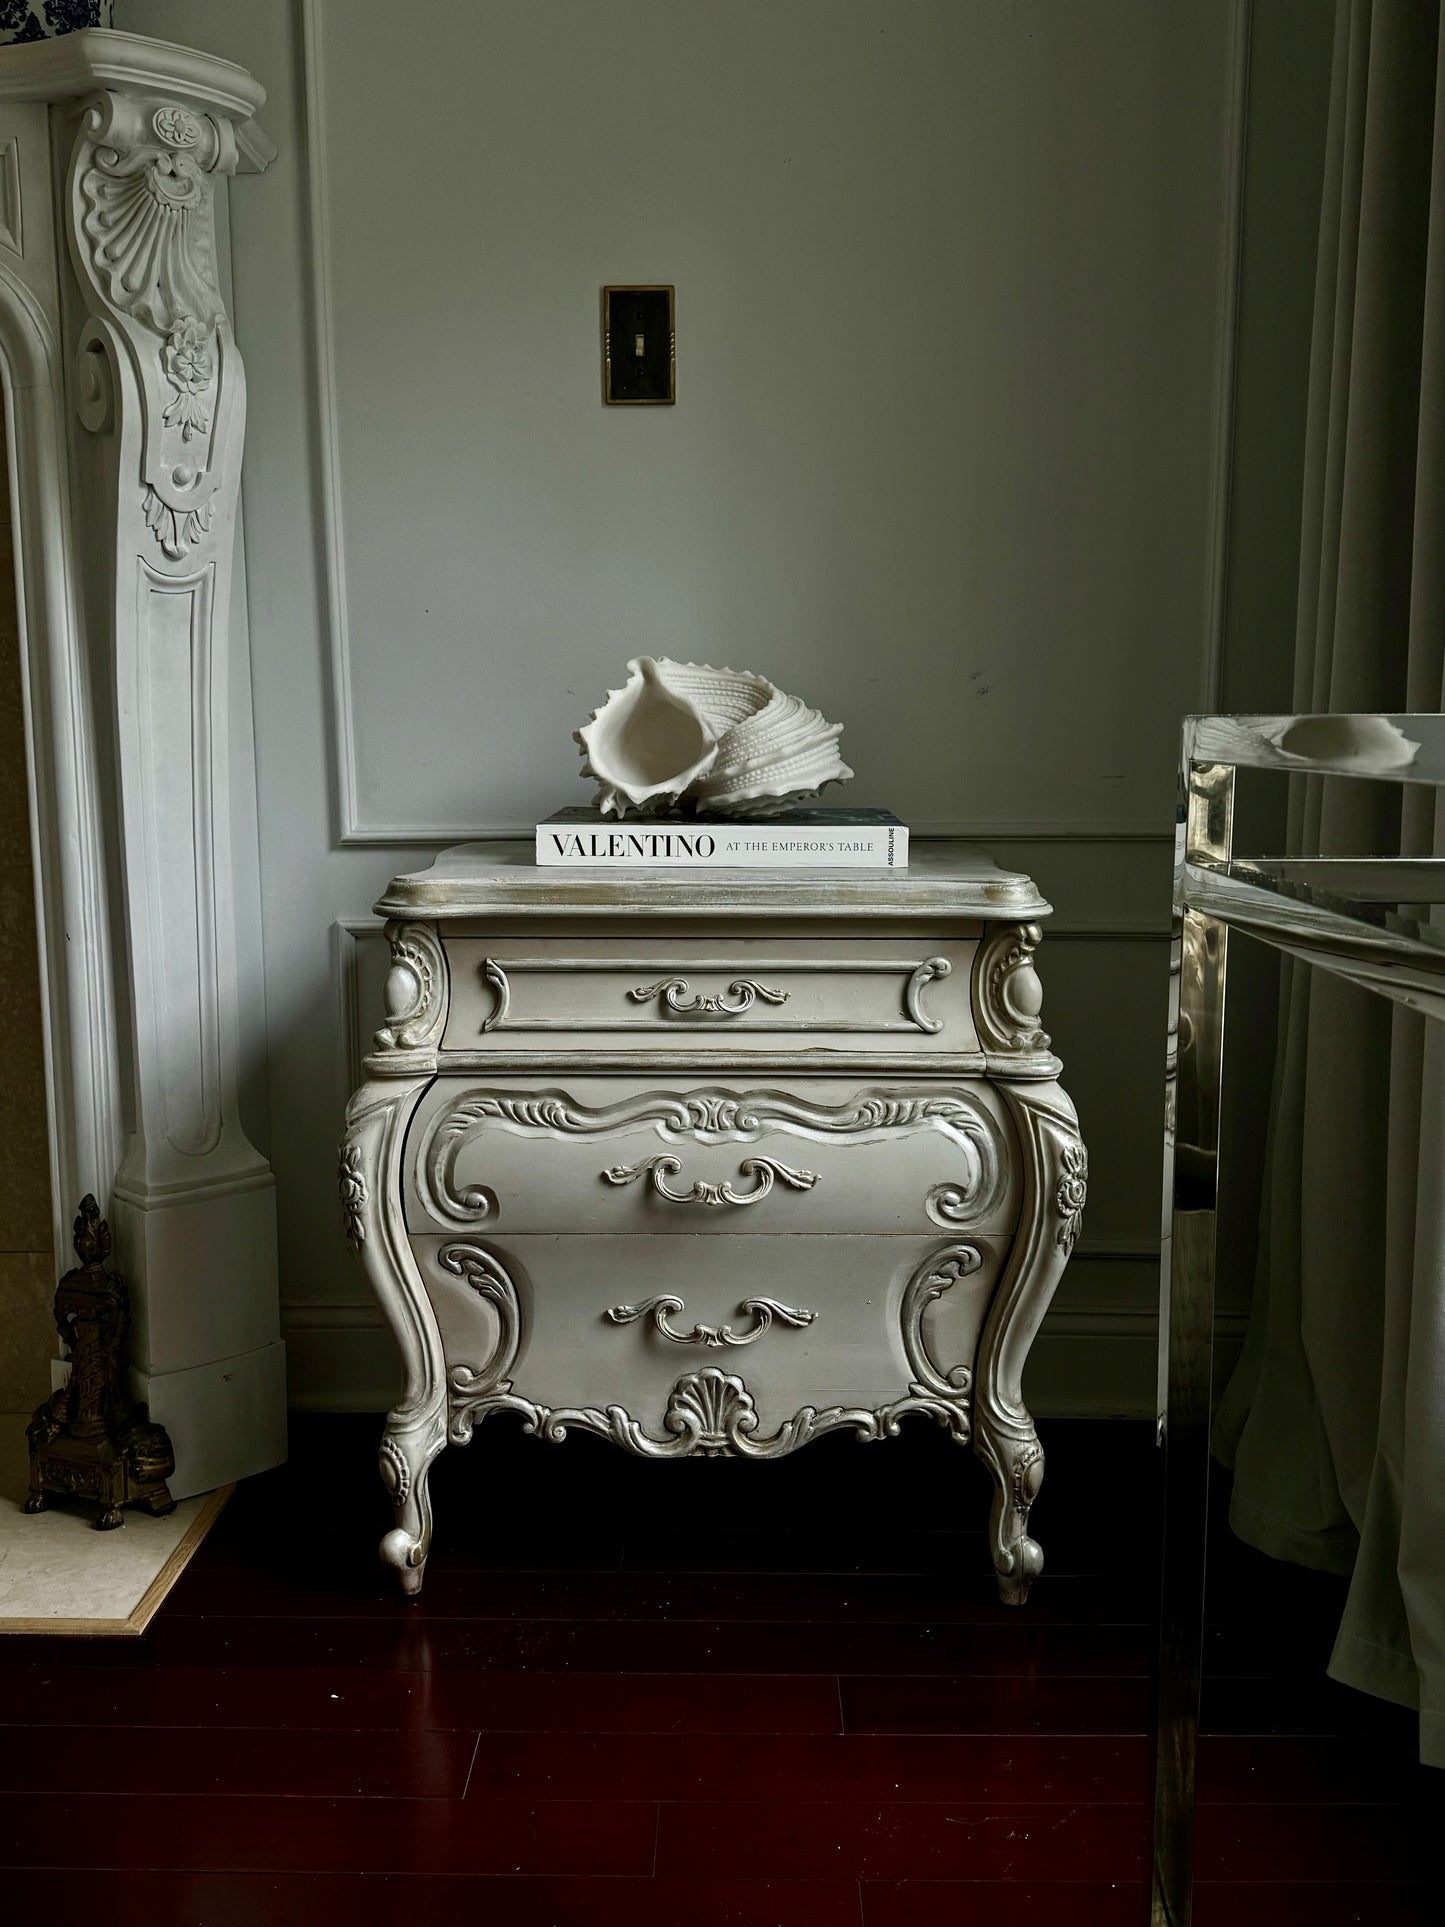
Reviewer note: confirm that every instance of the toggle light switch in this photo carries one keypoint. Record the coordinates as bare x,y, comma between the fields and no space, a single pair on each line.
639,345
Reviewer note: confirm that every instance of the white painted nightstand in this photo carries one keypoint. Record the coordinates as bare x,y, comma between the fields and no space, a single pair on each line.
713,1163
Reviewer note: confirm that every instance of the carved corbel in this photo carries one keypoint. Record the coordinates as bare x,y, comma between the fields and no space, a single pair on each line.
417,990
1007,994
141,233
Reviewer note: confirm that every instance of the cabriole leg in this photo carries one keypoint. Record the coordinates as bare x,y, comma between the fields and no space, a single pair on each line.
1056,1168
370,1176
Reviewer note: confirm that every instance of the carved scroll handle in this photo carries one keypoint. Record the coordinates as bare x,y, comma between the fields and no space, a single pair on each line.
659,1169
764,1310
922,977
495,978
745,991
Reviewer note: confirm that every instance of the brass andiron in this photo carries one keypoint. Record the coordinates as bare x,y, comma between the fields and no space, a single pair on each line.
90,1439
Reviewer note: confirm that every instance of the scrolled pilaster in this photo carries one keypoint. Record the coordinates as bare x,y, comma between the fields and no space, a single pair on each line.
158,389
157,408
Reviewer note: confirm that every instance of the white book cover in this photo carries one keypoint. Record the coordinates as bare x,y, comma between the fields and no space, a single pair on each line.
801,839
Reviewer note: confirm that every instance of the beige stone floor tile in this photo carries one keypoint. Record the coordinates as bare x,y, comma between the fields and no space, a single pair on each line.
55,1566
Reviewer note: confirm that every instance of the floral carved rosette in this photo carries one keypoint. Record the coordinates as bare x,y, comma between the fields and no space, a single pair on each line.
190,368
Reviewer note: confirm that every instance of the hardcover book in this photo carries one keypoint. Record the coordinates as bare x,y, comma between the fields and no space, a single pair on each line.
800,839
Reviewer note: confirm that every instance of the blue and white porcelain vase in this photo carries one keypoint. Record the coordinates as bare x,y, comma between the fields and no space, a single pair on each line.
24,20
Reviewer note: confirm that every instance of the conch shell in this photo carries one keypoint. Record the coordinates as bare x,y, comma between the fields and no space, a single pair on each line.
724,740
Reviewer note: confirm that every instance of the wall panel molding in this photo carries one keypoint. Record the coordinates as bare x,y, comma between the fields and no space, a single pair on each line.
330,525
349,828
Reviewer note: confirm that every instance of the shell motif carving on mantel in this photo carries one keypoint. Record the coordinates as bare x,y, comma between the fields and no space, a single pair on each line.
143,190
148,213
724,741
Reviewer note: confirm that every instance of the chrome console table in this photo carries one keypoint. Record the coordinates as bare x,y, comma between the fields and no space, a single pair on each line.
1363,918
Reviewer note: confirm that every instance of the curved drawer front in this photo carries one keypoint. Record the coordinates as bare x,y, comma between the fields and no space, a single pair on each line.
627,1156
511,994
830,1322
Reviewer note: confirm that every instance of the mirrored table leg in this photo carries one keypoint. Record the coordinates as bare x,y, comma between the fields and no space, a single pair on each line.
1192,1109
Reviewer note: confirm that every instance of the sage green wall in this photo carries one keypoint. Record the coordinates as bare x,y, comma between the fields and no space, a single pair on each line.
948,458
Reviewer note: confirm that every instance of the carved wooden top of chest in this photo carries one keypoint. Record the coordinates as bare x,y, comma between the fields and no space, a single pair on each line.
945,878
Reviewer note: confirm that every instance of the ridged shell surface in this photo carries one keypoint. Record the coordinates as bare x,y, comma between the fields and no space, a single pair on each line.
777,756
724,740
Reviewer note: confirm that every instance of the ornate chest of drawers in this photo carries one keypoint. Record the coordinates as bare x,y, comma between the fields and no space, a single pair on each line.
713,1162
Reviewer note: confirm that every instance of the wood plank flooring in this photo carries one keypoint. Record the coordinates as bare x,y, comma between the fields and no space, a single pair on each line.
713,1692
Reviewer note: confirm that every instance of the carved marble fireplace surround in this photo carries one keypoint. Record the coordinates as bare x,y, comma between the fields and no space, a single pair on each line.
126,409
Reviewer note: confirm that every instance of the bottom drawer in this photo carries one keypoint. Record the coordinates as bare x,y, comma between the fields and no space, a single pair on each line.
677,1344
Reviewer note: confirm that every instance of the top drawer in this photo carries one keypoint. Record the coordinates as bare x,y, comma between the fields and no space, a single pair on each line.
512,994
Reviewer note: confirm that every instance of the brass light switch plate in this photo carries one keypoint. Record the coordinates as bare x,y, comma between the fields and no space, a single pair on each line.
639,345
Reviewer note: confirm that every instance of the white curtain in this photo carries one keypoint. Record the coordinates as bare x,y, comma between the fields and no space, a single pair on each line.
1334,1421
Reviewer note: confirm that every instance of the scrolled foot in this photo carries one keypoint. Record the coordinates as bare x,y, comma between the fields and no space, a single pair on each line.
404,1457
401,1550
109,1519
37,1502
1016,1460
1028,1563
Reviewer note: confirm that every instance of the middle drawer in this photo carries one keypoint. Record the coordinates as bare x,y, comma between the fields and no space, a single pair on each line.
628,1156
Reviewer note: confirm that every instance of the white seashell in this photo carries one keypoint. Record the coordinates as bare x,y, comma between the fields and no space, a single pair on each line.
646,743
725,740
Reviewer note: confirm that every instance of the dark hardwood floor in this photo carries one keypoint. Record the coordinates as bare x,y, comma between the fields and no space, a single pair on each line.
709,1692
